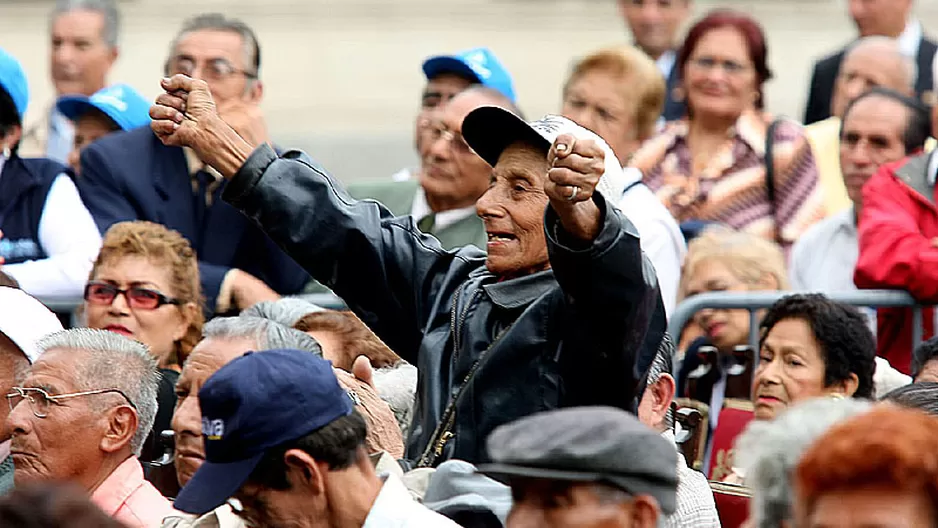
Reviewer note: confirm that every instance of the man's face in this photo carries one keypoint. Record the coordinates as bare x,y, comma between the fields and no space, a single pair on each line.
871,136
65,445
655,23
880,17
656,402
867,68
12,360
272,508
542,503
218,58
436,94
80,56
453,175
207,357
90,127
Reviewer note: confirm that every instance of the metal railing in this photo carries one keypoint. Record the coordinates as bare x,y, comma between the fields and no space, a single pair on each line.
752,301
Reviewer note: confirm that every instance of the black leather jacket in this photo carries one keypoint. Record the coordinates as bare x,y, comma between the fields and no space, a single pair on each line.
569,336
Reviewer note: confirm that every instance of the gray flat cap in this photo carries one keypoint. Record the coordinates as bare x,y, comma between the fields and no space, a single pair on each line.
587,444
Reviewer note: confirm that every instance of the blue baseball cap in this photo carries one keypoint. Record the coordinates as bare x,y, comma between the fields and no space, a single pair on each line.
124,105
13,81
254,403
477,63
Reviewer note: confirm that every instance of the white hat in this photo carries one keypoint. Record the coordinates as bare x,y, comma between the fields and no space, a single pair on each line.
489,130
25,320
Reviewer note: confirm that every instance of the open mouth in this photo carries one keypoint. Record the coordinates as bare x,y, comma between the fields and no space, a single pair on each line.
500,237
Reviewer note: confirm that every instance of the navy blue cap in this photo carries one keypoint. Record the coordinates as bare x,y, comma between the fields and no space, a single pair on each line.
258,401
476,63
124,105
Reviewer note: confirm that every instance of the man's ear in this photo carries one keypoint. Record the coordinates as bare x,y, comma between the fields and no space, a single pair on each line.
645,512
122,425
304,472
664,390
256,92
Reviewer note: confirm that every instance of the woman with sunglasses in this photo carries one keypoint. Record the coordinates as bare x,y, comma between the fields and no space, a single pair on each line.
145,285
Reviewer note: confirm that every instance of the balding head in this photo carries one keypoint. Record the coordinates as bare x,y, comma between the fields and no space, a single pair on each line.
869,63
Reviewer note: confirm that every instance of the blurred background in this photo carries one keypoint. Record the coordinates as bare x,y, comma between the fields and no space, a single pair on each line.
342,77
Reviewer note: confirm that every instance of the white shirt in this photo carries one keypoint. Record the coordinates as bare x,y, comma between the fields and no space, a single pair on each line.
61,138
443,219
395,508
666,62
70,238
910,39
661,237
825,256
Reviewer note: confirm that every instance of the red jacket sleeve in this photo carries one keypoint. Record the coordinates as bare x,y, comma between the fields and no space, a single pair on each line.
894,252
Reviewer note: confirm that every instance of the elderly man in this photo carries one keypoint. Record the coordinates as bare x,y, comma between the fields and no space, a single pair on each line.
886,18
589,466
878,127
695,505
452,176
302,464
655,25
23,321
556,314
83,49
82,414
131,176
869,63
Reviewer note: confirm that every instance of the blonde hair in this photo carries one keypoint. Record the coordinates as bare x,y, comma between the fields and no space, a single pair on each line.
163,247
642,83
750,258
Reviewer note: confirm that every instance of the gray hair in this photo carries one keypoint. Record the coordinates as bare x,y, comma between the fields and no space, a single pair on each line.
663,364
267,334
113,362
219,22
890,45
107,8
769,451
286,311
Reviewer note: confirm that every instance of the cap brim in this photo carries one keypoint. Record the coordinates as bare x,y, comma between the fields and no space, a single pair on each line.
213,484
489,130
448,64
73,107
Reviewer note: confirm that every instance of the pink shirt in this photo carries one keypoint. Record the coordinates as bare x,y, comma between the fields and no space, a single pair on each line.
130,499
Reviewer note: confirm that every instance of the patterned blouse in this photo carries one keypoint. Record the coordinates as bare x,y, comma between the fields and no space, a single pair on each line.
732,188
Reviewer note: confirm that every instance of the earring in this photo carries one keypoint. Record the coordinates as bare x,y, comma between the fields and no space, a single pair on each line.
7,152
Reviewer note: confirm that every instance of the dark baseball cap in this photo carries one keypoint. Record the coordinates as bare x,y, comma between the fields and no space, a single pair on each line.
258,401
587,444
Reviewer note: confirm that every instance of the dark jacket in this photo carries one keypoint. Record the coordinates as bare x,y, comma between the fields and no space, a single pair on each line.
24,188
133,176
825,76
569,336
674,109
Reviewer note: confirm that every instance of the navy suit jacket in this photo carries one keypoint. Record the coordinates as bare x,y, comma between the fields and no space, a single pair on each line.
133,176
827,69
673,109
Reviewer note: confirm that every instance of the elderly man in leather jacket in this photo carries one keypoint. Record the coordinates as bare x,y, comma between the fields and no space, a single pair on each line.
564,310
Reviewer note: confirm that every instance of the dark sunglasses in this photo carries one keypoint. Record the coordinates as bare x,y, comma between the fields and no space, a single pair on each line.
140,298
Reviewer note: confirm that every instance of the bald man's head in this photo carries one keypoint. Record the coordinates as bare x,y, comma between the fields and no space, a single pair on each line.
870,63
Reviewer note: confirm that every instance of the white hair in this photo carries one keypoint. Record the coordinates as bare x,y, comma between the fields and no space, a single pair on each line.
888,44
113,362
267,334
397,386
286,311
768,451
107,8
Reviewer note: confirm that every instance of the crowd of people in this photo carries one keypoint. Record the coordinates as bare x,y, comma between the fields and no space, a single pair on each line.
503,356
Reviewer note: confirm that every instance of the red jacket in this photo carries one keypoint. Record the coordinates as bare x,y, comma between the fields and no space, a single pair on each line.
898,221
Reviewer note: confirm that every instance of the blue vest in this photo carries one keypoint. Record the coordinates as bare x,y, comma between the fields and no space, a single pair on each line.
24,186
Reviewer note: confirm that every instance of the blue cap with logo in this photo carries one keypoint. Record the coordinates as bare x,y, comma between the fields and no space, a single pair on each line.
13,81
258,401
124,105
476,63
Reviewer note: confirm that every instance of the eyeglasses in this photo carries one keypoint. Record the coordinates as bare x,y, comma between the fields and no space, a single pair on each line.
140,298
40,401
729,66
456,141
212,69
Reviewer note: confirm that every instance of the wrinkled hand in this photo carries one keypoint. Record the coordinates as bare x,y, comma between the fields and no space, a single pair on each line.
575,168
183,115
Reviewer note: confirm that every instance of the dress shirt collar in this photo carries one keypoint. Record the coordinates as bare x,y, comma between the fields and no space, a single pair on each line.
910,38
666,62
443,219
118,486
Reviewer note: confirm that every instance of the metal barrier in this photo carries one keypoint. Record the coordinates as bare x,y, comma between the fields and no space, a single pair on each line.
752,301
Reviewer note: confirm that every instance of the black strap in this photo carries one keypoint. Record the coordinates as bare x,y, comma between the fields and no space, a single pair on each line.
770,172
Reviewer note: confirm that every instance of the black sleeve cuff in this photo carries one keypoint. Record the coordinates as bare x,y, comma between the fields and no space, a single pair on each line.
247,177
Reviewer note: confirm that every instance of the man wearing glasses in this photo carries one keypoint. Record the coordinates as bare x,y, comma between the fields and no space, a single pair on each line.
82,414
132,176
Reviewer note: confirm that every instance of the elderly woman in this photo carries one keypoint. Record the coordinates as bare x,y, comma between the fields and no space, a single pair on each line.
48,236
563,309
877,469
768,452
145,285
618,93
711,167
